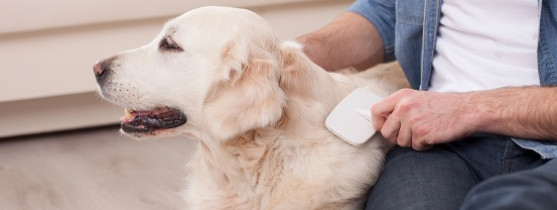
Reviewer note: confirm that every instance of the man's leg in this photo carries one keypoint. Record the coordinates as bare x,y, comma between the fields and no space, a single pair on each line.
530,189
435,179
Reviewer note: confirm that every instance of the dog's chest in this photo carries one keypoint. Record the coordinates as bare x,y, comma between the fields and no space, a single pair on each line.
273,173
273,176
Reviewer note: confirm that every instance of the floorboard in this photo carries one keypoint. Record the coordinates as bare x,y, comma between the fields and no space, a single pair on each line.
95,169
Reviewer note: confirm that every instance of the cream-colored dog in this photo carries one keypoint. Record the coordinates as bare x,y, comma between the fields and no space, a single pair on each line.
256,104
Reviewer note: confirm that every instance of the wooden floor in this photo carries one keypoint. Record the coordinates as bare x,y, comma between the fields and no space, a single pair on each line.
94,169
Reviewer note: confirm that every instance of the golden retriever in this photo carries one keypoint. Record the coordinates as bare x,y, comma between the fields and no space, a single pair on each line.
257,106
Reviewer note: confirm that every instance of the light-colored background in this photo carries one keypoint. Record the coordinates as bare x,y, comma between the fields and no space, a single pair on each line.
47,49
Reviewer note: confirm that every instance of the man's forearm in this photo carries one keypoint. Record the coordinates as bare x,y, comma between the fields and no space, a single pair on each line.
349,41
526,112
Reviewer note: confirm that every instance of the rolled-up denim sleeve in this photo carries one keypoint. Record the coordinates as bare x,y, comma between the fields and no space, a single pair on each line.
381,13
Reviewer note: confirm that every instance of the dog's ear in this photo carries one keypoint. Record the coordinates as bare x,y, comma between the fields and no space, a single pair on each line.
248,95
297,77
234,58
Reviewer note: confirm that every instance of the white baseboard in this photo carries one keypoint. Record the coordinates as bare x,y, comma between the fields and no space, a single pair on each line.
55,114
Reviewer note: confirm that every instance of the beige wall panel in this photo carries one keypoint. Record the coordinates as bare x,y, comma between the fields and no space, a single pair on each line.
46,79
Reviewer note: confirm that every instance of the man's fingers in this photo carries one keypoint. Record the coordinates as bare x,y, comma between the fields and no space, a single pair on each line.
378,122
421,145
379,114
404,138
385,107
390,128
422,142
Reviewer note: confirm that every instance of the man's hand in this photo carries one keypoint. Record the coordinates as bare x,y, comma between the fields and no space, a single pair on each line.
420,119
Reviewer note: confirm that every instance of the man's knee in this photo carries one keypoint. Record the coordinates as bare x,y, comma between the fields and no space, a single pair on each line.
532,189
435,179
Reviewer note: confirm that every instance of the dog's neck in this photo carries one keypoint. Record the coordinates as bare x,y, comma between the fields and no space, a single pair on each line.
237,160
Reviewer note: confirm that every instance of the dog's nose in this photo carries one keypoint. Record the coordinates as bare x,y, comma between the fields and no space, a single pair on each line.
98,69
102,69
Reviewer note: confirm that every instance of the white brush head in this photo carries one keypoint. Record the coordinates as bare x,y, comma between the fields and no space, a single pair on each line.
351,118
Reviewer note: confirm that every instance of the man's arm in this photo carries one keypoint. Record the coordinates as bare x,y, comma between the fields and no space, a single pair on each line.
420,119
350,40
527,112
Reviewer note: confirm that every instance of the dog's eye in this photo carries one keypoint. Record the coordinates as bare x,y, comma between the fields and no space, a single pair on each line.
167,44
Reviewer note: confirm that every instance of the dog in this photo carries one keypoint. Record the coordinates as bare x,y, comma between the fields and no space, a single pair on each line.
257,106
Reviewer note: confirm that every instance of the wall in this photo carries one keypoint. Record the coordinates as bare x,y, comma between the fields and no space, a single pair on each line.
47,50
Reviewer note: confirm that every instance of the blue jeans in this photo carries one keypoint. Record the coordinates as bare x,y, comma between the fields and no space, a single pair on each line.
480,172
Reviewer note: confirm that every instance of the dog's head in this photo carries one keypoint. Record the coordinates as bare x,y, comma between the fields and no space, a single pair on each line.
217,70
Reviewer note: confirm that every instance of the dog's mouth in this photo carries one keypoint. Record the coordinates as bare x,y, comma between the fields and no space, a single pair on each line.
144,121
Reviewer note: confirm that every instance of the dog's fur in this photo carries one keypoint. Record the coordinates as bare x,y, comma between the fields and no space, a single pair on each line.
257,105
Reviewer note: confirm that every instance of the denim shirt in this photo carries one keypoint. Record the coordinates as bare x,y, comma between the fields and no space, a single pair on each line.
409,30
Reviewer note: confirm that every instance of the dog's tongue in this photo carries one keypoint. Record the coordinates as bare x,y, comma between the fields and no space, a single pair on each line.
129,114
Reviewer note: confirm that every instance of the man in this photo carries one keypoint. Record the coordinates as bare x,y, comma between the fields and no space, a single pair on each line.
480,131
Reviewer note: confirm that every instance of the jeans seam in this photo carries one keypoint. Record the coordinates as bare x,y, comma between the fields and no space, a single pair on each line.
470,169
466,163
506,159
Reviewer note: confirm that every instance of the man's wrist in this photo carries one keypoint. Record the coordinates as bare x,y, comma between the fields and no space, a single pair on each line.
478,112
